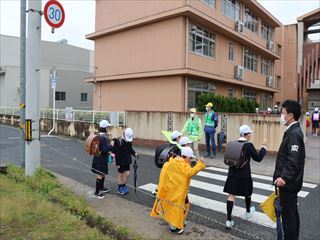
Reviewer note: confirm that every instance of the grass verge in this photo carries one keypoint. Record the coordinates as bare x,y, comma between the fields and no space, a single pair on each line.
44,209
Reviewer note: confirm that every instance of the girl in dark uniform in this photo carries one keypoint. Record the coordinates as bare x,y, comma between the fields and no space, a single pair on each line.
100,163
239,181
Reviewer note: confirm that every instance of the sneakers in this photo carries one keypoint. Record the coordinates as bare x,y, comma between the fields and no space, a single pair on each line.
121,190
155,192
105,190
124,187
213,156
99,195
249,215
207,155
229,224
176,230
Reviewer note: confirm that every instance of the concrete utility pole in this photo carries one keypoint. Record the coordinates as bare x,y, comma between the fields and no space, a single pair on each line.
32,85
23,4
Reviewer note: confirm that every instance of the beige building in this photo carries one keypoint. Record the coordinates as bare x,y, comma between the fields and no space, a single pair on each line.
301,58
159,55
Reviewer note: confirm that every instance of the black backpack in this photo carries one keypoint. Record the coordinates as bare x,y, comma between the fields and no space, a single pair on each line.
235,154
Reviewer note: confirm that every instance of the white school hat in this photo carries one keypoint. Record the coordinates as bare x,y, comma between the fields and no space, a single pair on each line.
187,151
128,134
245,129
104,124
184,140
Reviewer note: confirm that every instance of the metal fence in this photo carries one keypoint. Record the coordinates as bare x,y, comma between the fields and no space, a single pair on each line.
68,114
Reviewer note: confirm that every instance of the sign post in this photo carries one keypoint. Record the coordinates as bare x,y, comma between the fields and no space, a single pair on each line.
54,14
53,80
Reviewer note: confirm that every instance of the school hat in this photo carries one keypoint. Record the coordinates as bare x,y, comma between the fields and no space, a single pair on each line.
175,135
104,124
245,129
187,151
193,110
128,134
316,109
184,140
209,104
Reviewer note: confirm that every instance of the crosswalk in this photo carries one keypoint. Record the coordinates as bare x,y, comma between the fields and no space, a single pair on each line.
206,191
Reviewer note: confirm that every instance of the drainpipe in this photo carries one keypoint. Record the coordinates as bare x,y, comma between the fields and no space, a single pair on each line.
282,65
186,65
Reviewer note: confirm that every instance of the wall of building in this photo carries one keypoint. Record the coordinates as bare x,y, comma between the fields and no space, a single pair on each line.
147,94
290,87
154,47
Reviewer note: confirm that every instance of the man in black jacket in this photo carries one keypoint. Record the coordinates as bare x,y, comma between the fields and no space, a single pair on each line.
288,174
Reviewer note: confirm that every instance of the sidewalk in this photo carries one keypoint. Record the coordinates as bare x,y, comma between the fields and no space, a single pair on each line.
138,220
266,167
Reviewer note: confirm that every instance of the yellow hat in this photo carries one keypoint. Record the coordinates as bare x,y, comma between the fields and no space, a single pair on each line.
209,104
193,110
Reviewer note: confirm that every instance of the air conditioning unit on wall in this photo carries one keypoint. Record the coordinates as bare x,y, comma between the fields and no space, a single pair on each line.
270,45
238,72
239,26
269,81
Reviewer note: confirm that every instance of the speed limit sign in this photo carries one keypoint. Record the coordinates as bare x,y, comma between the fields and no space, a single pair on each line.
54,14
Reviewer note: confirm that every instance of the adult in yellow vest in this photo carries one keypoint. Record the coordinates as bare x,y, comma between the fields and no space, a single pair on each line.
210,125
172,202
193,127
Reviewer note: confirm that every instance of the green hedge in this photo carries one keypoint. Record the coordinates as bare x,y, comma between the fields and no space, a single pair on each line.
226,104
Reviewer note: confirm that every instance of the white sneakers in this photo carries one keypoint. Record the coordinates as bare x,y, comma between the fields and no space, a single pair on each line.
249,215
229,224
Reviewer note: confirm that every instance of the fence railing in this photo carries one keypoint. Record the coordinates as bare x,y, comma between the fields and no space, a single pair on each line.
115,118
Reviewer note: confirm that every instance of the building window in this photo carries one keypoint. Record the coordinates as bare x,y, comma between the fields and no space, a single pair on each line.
265,101
211,3
195,88
248,94
230,92
266,67
266,32
231,8
202,41
250,60
251,21
232,52
84,97
60,96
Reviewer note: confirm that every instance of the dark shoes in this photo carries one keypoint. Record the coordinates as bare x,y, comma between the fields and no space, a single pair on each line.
99,195
105,190
176,230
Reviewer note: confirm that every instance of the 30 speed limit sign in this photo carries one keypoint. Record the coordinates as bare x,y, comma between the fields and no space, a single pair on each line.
54,14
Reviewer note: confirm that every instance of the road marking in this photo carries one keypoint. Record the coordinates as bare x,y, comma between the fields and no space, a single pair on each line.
258,176
257,218
263,186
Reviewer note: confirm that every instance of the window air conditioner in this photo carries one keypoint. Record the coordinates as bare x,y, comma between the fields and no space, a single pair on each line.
269,81
239,26
238,72
270,45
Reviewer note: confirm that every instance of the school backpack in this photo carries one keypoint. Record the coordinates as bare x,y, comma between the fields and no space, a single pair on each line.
163,153
92,145
235,154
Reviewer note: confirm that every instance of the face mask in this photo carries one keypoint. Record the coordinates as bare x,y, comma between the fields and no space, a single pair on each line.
282,119
207,108
192,115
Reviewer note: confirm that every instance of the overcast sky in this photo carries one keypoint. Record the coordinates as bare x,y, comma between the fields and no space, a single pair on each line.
80,18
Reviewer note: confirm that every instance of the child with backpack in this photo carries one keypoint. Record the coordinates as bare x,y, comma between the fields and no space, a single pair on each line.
239,181
123,151
100,162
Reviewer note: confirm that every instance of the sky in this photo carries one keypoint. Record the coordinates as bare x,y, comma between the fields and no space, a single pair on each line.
80,18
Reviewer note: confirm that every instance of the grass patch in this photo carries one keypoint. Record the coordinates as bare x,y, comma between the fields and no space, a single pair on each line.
43,190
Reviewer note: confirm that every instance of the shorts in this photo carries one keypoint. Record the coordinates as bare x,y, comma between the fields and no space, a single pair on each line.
124,168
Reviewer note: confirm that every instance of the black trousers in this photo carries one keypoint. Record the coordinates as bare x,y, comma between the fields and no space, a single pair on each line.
290,215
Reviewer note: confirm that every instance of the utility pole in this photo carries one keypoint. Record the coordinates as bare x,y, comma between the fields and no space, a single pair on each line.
32,85
23,4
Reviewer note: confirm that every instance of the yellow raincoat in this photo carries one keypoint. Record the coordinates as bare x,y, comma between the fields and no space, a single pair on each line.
174,183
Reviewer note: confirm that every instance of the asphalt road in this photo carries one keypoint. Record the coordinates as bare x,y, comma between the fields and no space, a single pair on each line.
67,157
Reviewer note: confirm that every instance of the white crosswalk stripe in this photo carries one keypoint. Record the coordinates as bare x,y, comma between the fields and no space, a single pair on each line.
219,176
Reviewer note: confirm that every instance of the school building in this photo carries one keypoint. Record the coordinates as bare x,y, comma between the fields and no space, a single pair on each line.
160,55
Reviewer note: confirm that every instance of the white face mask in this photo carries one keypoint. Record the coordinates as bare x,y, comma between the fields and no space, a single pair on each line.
283,120
192,115
207,108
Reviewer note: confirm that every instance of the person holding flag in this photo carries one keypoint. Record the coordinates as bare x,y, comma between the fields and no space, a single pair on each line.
193,127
